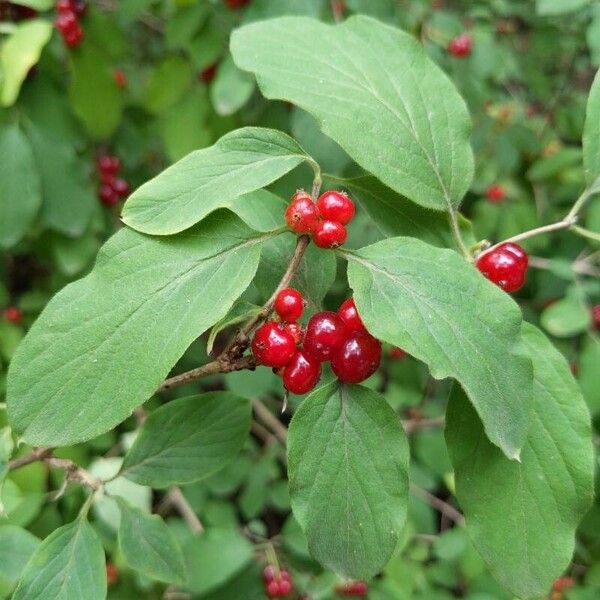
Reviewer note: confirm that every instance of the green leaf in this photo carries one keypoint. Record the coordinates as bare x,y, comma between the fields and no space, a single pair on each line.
95,98
105,343
67,565
6,449
241,311
589,359
566,317
149,546
20,51
231,89
547,8
242,161
374,90
591,134
522,516
188,439
441,310
167,84
16,547
40,5
348,495
20,195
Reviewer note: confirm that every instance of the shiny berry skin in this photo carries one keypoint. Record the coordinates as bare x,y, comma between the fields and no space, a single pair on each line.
289,305
349,315
396,353
272,346
120,187
460,46
66,21
108,165
301,214
325,332
596,316
74,37
107,195
272,589
120,78
357,589
296,331
336,206
301,374
13,314
495,193
506,266
357,358
329,234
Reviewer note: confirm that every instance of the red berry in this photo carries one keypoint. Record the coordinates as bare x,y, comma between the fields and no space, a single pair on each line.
397,353
289,305
296,331
272,589
349,315
112,574
563,583
336,206
357,358
120,78
64,6
329,234
495,193
272,345
107,195
79,7
108,165
285,587
208,74
301,214
269,573
120,187
65,21
13,314
506,266
236,3
460,46
300,375
324,333
357,589
596,316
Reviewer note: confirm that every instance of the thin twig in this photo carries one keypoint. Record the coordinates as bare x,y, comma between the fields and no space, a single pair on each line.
412,425
34,456
435,502
180,503
453,217
580,267
270,420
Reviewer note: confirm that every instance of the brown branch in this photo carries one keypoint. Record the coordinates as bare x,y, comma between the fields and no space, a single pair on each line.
443,507
270,420
35,455
412,425
176,499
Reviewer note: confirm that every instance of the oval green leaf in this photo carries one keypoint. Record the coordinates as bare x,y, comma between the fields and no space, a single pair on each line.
591,134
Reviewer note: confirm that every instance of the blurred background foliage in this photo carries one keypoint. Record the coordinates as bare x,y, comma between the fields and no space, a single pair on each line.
153,80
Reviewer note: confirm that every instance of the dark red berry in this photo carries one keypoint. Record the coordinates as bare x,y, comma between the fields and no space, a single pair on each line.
325,332
596,316
289,305
460,46
74,37
357,358
208,74
349,315
79,7
495,193
13,314
269,573
233,4
112,574
121,187
107,195
329,234
336,206
64,6
300,375
108,165
120,78
272,345
357,589
296,331
301,214
66,21
505,265
397,353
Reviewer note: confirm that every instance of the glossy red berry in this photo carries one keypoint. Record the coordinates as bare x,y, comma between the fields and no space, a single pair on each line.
349,315
302,373
506,266
108,165
596,316
13,314
495,193
357,358
66,21
64,6
325,332
120,78
296,331
301,214
272,589
269,573
460,46
107,195
396,353
272,345
336,206
289,305
356,589
74,37
329,234
285,588
121,187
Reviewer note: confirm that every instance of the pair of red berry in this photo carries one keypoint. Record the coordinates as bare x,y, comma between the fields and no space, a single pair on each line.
67,21
13,314
325,221
112,188
506,266
278,582
356,589
495,193
460,46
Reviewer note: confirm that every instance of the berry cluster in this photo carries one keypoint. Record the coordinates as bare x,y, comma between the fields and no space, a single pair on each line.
112,188
596,315
495,193
13,314
505,265
355,589
460,46
278,583
67,21
325,221
337,337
